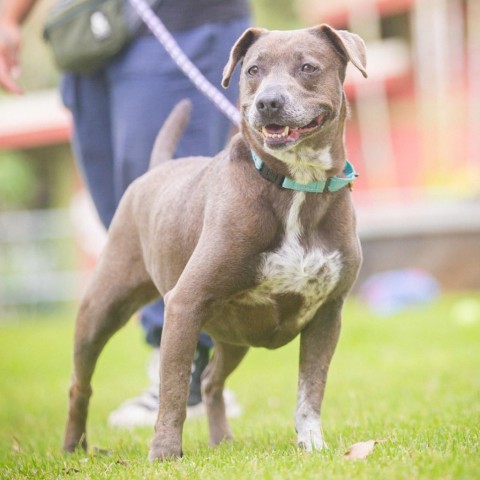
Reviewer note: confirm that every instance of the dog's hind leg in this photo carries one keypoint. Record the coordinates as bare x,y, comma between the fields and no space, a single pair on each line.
120,286
225,359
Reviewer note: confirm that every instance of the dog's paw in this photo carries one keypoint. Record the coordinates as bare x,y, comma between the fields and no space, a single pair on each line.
164,451
74,441
310,440
217,437
161,455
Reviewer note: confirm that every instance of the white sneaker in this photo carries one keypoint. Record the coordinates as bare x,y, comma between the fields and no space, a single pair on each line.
142,410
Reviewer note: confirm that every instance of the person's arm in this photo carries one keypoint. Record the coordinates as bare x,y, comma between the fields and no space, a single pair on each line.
12,14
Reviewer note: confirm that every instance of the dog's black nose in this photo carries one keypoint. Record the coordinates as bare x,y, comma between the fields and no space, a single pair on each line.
270,102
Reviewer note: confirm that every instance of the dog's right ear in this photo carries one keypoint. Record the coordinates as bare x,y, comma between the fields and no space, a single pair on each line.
238,51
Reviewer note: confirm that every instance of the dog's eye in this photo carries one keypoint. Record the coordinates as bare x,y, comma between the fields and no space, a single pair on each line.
307,68
252,71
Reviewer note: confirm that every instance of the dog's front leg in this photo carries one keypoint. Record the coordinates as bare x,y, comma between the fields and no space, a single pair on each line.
179,339
317,344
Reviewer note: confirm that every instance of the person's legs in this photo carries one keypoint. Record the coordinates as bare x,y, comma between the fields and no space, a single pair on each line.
145,86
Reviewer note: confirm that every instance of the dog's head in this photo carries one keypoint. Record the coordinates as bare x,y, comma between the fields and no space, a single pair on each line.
291,86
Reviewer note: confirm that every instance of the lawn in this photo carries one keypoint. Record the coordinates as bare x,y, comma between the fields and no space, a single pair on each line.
412,379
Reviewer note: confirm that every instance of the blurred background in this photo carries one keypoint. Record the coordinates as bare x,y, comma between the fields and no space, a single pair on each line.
413,134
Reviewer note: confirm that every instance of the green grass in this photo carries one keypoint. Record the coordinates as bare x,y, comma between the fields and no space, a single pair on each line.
412,378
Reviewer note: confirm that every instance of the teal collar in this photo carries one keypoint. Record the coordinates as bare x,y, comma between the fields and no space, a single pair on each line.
331,184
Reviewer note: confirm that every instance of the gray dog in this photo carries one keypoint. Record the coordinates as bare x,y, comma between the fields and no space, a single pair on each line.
253,246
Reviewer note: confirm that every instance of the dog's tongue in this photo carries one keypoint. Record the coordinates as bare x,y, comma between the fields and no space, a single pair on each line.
274,128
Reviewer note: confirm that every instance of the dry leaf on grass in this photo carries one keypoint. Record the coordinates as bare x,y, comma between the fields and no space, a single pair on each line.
360,450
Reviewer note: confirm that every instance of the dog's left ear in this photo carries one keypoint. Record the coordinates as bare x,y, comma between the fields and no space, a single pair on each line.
238,52
350,45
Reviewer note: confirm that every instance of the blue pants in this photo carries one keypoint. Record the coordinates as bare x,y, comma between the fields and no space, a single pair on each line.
118,111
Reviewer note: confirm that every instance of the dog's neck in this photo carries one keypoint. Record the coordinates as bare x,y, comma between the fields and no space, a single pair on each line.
306,164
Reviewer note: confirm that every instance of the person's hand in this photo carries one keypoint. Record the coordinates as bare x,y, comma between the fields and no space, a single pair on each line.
10,39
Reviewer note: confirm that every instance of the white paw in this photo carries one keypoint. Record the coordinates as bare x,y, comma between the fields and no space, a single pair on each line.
310,439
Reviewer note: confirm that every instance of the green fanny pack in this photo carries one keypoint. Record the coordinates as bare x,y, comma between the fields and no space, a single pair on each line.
84,34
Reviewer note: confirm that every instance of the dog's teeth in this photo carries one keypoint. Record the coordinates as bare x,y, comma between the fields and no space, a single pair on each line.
284,134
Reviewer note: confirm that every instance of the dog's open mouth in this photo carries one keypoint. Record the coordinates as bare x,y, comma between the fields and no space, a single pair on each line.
280,135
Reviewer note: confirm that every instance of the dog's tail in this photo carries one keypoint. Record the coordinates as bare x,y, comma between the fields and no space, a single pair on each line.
170,133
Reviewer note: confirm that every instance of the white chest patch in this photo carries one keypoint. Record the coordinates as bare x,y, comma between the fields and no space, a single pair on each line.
313,274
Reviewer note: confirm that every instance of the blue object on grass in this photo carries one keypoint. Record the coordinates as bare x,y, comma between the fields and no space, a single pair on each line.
391,291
